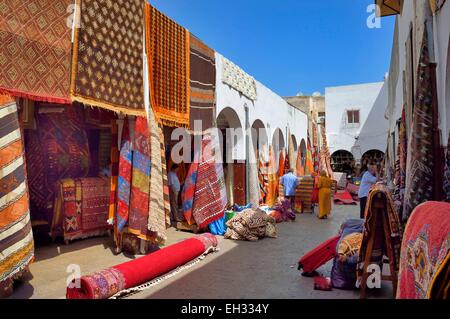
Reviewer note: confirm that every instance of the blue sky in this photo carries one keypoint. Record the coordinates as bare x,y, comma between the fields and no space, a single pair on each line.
291,46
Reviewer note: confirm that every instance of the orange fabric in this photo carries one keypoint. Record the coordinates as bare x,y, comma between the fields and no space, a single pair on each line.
168,53
273,180
15,150
5,98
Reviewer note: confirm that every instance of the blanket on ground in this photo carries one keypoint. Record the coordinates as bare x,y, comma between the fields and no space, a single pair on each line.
251,224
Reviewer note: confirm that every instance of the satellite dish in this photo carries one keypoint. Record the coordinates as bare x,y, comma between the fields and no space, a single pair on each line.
300,94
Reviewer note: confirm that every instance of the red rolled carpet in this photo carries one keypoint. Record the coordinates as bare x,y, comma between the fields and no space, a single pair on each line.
106,283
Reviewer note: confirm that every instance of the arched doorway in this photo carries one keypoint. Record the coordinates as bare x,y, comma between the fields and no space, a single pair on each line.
302,151
293,147
259,137
233,154
278,144
343,161
372,157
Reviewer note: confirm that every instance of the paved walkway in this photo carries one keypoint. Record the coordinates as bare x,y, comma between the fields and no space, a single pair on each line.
263,269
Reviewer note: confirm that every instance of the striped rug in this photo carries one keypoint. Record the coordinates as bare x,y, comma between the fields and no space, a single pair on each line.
16,238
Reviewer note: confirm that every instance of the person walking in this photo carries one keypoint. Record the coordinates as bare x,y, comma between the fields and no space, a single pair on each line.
289,182
325,183
369,178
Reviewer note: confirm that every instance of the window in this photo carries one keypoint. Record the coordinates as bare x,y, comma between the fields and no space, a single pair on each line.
321,114
353,117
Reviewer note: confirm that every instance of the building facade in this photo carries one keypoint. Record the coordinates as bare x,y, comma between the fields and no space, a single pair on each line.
355,121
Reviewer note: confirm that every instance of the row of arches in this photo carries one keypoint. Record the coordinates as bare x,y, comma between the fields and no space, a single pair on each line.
344,161
228,119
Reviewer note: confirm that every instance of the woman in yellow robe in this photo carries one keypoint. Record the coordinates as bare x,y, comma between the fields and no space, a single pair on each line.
324,185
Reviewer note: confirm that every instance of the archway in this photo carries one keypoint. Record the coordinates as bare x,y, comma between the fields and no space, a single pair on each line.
259,137
278,144
372,157
233,154
302,151
343,161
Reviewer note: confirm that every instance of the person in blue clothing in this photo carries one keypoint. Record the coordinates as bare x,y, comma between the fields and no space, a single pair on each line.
289,182
369,178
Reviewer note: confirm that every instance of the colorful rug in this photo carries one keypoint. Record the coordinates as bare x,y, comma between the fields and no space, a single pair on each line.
107,60
343,198
272,185
425,253
168,52
140,182
81,209
299,168
202,83
126,278
263,179
419,171
16,238
373,223
114,178
188,192
303,194
65,147
210,197
38,50
124,180
309,164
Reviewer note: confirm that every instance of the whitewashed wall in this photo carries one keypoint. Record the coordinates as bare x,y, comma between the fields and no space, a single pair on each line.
371,101
269,107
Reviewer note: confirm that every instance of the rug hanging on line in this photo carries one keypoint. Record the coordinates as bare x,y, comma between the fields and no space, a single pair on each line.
420,162
210,197
16,238
36,58
140,182
107,65
168,53
202,83
64,145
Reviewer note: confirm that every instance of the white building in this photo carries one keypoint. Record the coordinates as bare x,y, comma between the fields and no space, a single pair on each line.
355,121
269,113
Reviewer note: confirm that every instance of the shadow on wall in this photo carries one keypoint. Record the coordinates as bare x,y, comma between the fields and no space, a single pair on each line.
373,134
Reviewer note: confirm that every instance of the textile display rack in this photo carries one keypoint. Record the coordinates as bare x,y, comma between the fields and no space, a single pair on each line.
378,222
